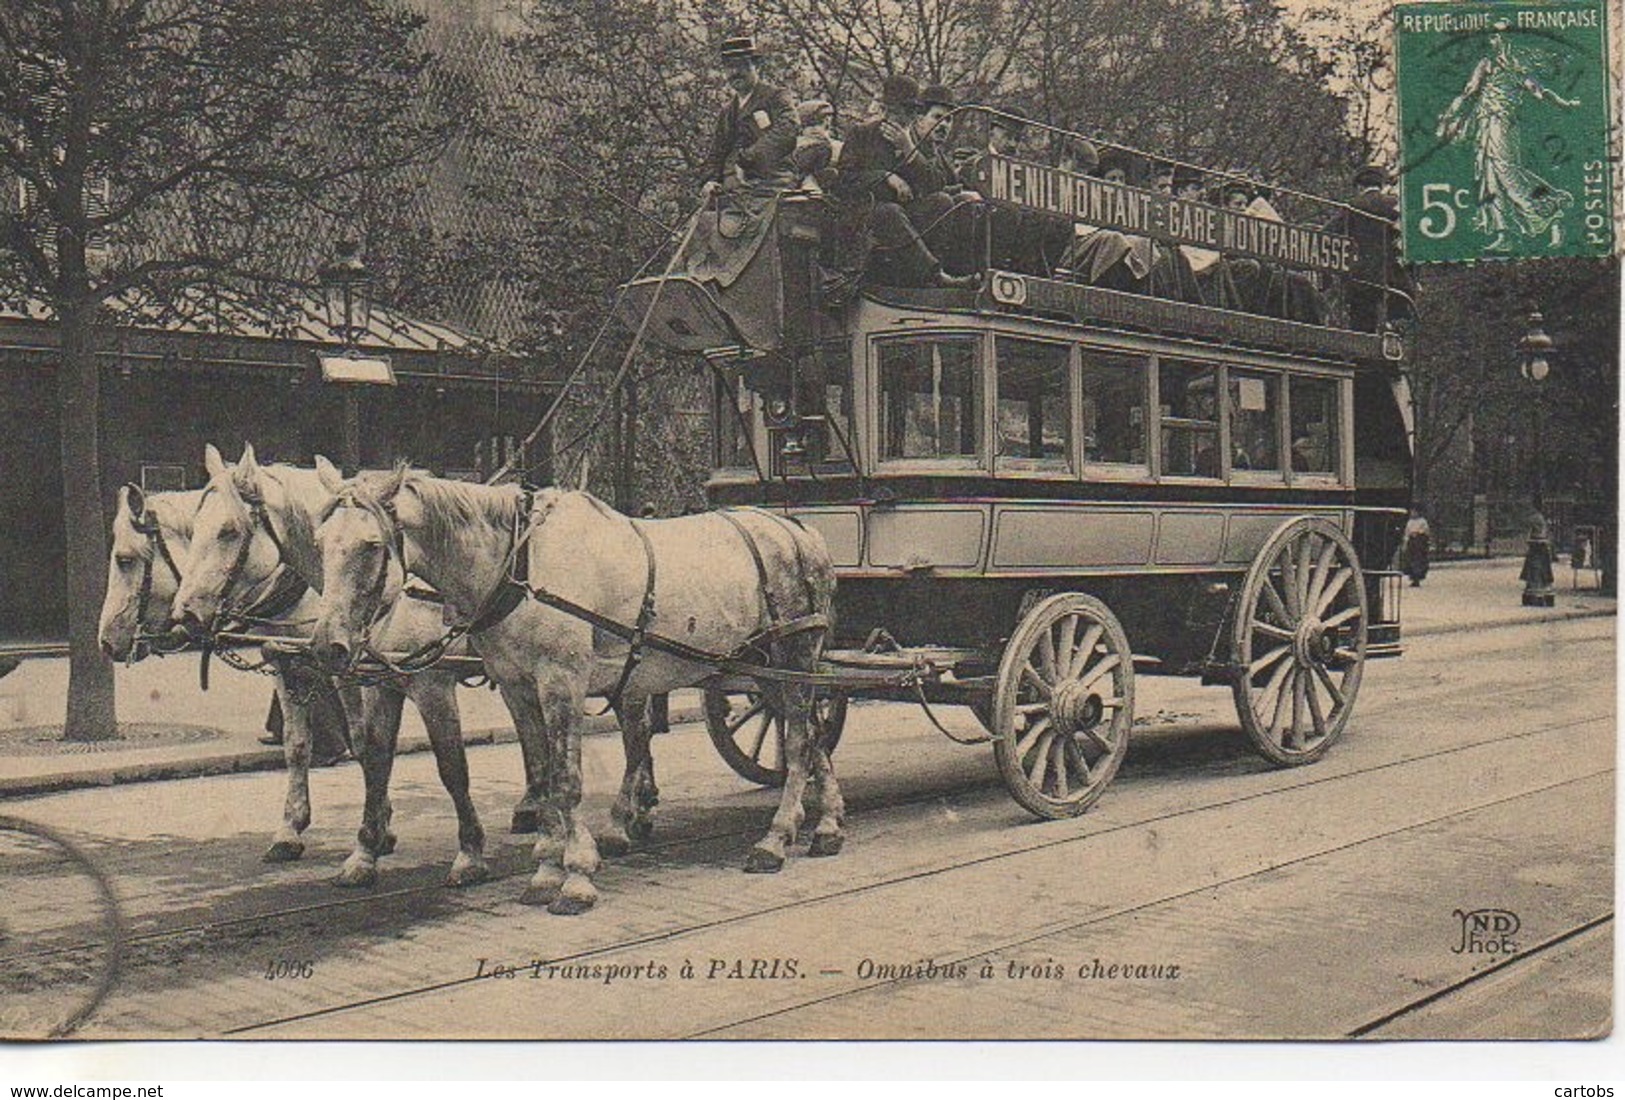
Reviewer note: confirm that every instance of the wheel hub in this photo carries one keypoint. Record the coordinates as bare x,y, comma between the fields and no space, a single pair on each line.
1313,644
1075,708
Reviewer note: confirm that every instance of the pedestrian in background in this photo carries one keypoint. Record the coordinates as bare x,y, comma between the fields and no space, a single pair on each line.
1417,538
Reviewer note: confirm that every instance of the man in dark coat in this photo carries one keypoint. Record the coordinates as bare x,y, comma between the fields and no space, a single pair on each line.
1373,222
944,210
756,133
875,238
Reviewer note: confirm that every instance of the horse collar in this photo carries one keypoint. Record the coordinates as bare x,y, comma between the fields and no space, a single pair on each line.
513,589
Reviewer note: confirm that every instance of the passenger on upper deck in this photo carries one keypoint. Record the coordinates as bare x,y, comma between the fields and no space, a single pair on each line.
943,209
881,165
1208,265
817,154
1171,274
1106,257
756,133
1373,223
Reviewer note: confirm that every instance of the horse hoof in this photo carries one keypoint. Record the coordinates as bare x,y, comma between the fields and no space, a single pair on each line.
526,821
544,887
284,851
826,844
763,862
577,896
387,846
357,874
614,845
468,873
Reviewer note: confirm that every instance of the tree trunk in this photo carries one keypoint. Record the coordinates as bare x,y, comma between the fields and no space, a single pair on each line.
91,715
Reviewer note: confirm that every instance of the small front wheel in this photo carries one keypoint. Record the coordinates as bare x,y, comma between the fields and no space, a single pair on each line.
749,733
1063,705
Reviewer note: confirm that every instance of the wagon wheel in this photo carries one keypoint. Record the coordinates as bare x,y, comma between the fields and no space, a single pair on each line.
1063,704
749,734
1299,641
61,933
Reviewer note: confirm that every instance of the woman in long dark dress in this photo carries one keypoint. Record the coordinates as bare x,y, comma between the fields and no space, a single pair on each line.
1417,536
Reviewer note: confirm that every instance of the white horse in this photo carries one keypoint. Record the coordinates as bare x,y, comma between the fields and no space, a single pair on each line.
151,538
252,521
721,583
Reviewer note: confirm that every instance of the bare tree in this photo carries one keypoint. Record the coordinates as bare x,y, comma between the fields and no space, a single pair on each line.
207,127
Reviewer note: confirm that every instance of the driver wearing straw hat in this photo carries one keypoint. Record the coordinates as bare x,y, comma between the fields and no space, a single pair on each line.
756,133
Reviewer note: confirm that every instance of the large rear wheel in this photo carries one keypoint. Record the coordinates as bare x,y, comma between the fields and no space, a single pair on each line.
1063,705
1299,641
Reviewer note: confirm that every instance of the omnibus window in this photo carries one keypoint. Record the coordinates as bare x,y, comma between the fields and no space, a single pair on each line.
929,400
1189,395
1113,408
735,423
1314,425
835,404
1035,401
1255,407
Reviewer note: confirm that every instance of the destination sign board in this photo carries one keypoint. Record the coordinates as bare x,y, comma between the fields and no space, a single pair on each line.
1137,212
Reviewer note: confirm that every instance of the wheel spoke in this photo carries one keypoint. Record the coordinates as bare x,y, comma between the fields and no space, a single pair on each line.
1270,630
1289,585
1315,711
1084,650
1305,548
754,709
1341,617
1057,767
1046,654
1343,653
1323,566
1332,689
1066,649
761,737
1026,737
1039,769
1273,598
1107,663
1080,766
1100,737
1274,688
1267,660
1294,738
1031,675
1339,580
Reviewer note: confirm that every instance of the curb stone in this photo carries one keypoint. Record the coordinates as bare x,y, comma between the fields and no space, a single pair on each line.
260,760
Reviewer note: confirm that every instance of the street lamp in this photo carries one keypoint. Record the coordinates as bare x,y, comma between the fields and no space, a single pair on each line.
1535,350
345,283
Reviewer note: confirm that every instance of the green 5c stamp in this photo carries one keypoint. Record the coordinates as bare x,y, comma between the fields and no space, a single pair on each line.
1504,130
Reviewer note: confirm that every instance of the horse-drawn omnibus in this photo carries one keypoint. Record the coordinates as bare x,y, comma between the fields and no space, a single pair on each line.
1036,489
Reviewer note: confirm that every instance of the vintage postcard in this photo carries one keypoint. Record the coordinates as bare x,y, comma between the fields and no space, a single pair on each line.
648,519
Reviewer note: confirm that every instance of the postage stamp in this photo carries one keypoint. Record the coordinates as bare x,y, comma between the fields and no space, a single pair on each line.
1504,130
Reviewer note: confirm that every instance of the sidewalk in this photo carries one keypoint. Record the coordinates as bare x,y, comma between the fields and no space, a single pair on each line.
1477,593
176,730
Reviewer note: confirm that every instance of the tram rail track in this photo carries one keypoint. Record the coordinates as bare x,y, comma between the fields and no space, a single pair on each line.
623,944
346,900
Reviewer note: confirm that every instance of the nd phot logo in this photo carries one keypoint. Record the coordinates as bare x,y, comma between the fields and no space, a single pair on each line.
1486,932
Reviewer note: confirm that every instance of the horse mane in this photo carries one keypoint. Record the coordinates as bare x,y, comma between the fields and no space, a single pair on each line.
450,508
300,531
175,509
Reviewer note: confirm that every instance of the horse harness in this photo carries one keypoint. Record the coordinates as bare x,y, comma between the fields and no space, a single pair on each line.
514,588
146,524
287,588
